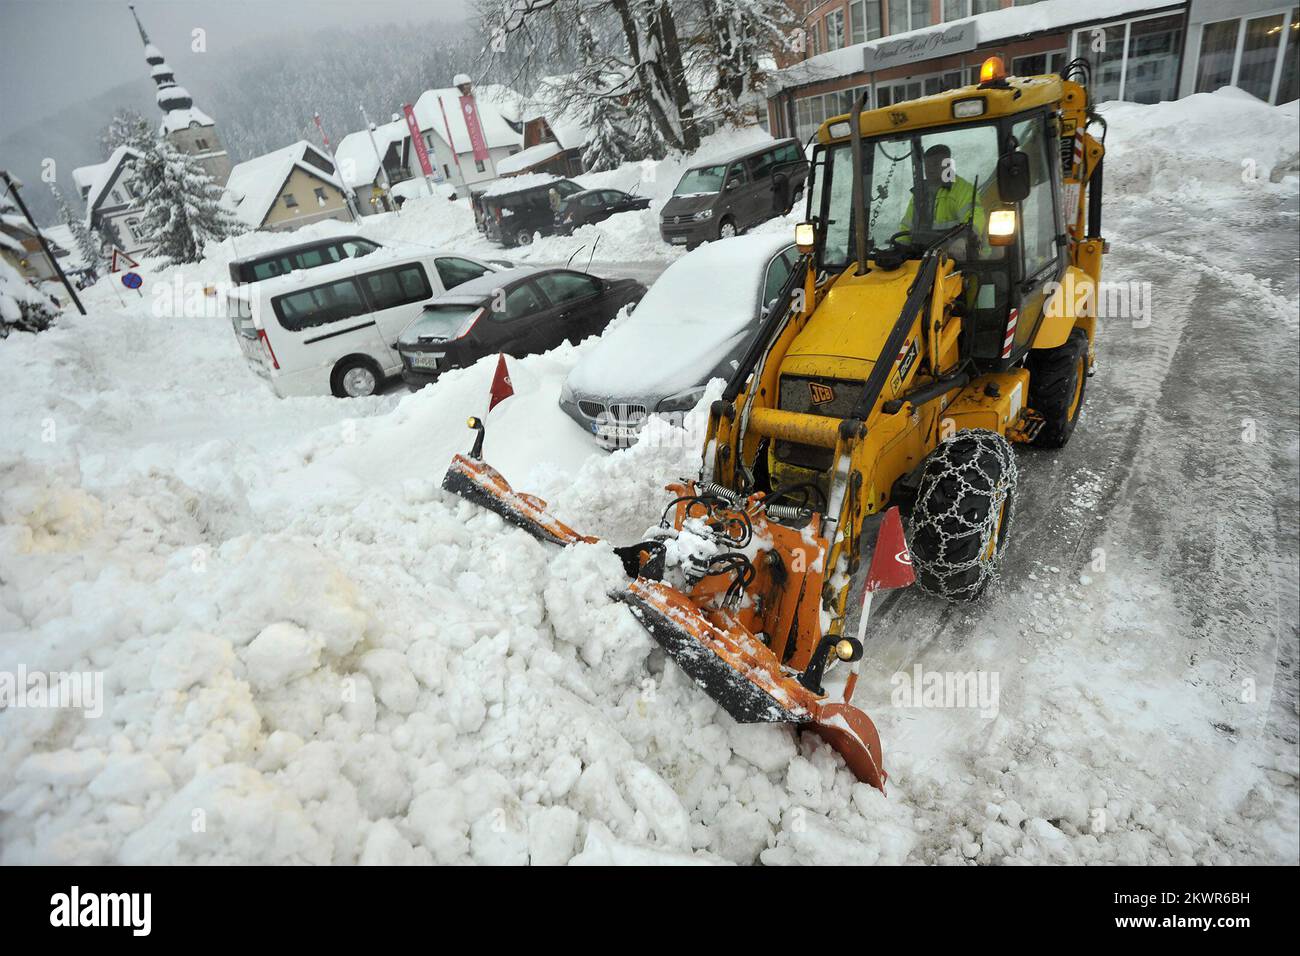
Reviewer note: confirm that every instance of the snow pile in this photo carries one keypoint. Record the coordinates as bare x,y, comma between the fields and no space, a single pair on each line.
1201,146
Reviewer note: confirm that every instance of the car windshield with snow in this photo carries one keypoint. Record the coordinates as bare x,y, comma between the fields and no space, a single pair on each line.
692,326
516,312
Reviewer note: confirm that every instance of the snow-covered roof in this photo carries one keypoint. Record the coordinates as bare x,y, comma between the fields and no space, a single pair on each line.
358,164
496,131
61,238
514,184
528,158
571,135
101,175
85,176
254,185
1000,24
174,120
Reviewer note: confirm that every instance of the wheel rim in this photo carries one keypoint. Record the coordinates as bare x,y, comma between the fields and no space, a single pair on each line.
728,230
1078,389
525,238
358,382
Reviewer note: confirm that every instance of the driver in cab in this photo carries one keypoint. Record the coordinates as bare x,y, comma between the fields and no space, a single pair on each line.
949,197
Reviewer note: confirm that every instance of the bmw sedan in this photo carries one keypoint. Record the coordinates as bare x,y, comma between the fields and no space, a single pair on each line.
517,311
692,326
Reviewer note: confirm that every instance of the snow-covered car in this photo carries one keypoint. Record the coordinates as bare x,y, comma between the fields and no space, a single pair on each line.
333,329
517,312
595,205
692,326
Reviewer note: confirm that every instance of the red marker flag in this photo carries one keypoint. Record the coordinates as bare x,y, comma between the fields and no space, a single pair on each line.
891,567
891,563
501,386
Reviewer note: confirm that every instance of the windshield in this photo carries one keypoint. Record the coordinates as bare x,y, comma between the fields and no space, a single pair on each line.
701,182
917,186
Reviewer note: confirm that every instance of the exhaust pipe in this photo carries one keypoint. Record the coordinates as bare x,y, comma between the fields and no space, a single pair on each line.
859,204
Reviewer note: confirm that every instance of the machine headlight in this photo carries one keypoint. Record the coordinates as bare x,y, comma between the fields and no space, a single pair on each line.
702,215
682,401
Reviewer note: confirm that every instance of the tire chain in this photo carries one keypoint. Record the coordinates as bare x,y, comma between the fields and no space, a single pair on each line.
941,464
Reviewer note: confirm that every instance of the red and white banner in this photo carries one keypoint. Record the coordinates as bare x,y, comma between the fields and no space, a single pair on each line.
417,140
477,142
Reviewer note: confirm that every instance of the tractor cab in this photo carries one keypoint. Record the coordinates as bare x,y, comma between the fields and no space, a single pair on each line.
977,171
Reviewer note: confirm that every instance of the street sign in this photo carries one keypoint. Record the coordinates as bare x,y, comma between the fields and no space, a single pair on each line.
132,280
121,261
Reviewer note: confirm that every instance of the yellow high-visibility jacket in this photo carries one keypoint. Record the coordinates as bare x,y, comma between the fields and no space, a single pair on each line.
952,204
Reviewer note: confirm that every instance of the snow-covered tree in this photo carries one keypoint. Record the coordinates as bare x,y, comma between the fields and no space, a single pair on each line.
91,249
126,128
182,208
737,40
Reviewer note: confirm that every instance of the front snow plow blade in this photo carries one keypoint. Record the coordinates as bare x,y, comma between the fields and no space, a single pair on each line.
744,677
482,484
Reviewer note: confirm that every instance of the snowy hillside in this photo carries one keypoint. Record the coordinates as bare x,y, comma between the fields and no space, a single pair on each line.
313,654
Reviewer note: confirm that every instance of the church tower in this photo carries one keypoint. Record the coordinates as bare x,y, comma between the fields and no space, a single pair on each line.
184,125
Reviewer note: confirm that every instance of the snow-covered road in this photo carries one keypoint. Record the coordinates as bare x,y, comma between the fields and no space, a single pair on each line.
311,653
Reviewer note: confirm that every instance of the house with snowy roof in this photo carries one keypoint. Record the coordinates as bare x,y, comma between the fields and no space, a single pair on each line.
372,161
548,148
444,115
112,199
20,246
287,188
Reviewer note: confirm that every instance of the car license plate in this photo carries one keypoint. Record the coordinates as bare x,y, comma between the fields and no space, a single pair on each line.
678,240
425,360
623,434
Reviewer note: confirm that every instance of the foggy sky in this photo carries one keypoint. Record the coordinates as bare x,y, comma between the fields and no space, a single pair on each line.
56,52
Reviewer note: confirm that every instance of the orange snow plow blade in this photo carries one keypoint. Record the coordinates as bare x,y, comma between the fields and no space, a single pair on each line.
485,486
745,678
744,615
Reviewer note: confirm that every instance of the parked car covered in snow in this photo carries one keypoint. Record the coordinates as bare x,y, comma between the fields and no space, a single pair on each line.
518,312
308,255
595,205
692,326
720,197
512,210
332,330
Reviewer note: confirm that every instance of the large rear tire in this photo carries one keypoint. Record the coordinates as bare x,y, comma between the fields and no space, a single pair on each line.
1058,379
962,515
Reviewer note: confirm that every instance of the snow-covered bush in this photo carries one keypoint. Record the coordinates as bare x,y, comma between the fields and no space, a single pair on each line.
22,308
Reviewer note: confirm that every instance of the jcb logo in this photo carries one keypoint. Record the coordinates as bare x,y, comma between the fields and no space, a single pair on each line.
821,394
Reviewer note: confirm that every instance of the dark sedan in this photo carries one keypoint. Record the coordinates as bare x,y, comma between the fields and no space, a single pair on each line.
595,205
517,311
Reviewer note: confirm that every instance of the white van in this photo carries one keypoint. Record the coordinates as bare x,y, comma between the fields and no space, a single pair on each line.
330,330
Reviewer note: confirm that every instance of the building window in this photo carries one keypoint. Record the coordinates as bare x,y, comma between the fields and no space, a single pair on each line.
835,29
907,15
445,171
812,111
201,143
1257,54
320,194
289,201
1036,64
478,164
864,20
1135,60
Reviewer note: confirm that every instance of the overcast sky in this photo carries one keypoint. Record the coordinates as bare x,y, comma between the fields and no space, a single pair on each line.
55,52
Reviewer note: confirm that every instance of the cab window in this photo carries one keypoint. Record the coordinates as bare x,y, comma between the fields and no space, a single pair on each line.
1037,214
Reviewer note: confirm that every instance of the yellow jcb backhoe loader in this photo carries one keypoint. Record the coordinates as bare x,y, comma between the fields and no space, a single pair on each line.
942,310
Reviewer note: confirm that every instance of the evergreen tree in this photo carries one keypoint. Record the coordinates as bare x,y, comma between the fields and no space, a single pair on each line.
126,128
181,203
90,249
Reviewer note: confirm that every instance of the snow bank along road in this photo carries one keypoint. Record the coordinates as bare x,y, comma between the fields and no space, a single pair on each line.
310,653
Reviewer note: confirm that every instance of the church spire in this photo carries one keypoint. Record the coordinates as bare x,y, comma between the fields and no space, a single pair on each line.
144,37
171,98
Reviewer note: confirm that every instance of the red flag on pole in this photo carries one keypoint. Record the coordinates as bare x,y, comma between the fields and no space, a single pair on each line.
891,567
501,386
891,563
